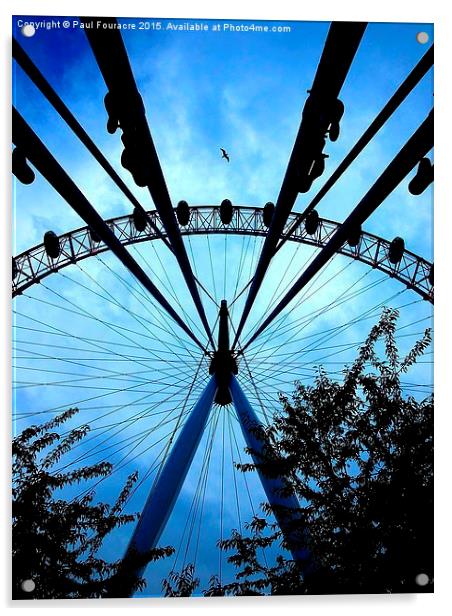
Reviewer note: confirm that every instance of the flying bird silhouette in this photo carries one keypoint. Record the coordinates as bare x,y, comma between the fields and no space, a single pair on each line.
224,154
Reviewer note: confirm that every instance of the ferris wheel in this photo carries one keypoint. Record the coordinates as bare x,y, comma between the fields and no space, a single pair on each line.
174,330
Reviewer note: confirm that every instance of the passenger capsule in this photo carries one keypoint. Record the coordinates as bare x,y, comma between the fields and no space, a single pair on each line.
113,113
133,158
423,177
23,172
354,236
95,238
430,276
312,221
226,211
267,215
52,244
304,183
336,114
183,213
396,250
139,220
318,167
127,158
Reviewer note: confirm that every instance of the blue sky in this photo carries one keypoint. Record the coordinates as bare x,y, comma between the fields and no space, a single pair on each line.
244,92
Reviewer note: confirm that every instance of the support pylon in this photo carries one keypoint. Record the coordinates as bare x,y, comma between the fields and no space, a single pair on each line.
285,508
163,495
223,362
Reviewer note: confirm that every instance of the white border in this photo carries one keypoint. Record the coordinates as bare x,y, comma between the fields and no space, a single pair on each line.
325,10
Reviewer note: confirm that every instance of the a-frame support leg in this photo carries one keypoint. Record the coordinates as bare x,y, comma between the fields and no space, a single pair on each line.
163,494
281,505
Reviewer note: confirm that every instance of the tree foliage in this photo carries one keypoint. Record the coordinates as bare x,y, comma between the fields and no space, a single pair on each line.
181,584
358,454
55,542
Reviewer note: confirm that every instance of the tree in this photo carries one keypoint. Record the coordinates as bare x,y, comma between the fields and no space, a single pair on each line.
359,456
55,541
181,584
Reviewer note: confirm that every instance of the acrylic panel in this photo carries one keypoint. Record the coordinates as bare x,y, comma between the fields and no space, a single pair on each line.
222,283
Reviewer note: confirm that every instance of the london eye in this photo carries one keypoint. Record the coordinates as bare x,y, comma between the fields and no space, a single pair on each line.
173,314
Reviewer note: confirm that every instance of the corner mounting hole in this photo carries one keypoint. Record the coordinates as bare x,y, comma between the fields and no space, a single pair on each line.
28,586
422,37
422,579
28,30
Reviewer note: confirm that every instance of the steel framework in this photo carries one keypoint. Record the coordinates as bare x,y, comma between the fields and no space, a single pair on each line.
33,265
340,48
320,114
112,59
417,146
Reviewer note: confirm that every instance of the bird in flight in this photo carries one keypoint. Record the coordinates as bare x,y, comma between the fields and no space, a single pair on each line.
224,154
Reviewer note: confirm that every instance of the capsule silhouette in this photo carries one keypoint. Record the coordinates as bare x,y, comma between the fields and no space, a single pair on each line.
133,158
311,110
318,167
304,183
396,250
267,214
183,213
127,158
23,172
113,113
139,219
52,244
316,116
226,211
423,177
312,221
94,236
354,236
337,113
323,114
430,276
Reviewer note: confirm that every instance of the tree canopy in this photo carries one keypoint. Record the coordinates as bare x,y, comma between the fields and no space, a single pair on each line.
358,454
55,541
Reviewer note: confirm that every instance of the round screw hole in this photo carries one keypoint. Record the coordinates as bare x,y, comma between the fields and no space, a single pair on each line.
28,30
422,37
422,579
28,586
